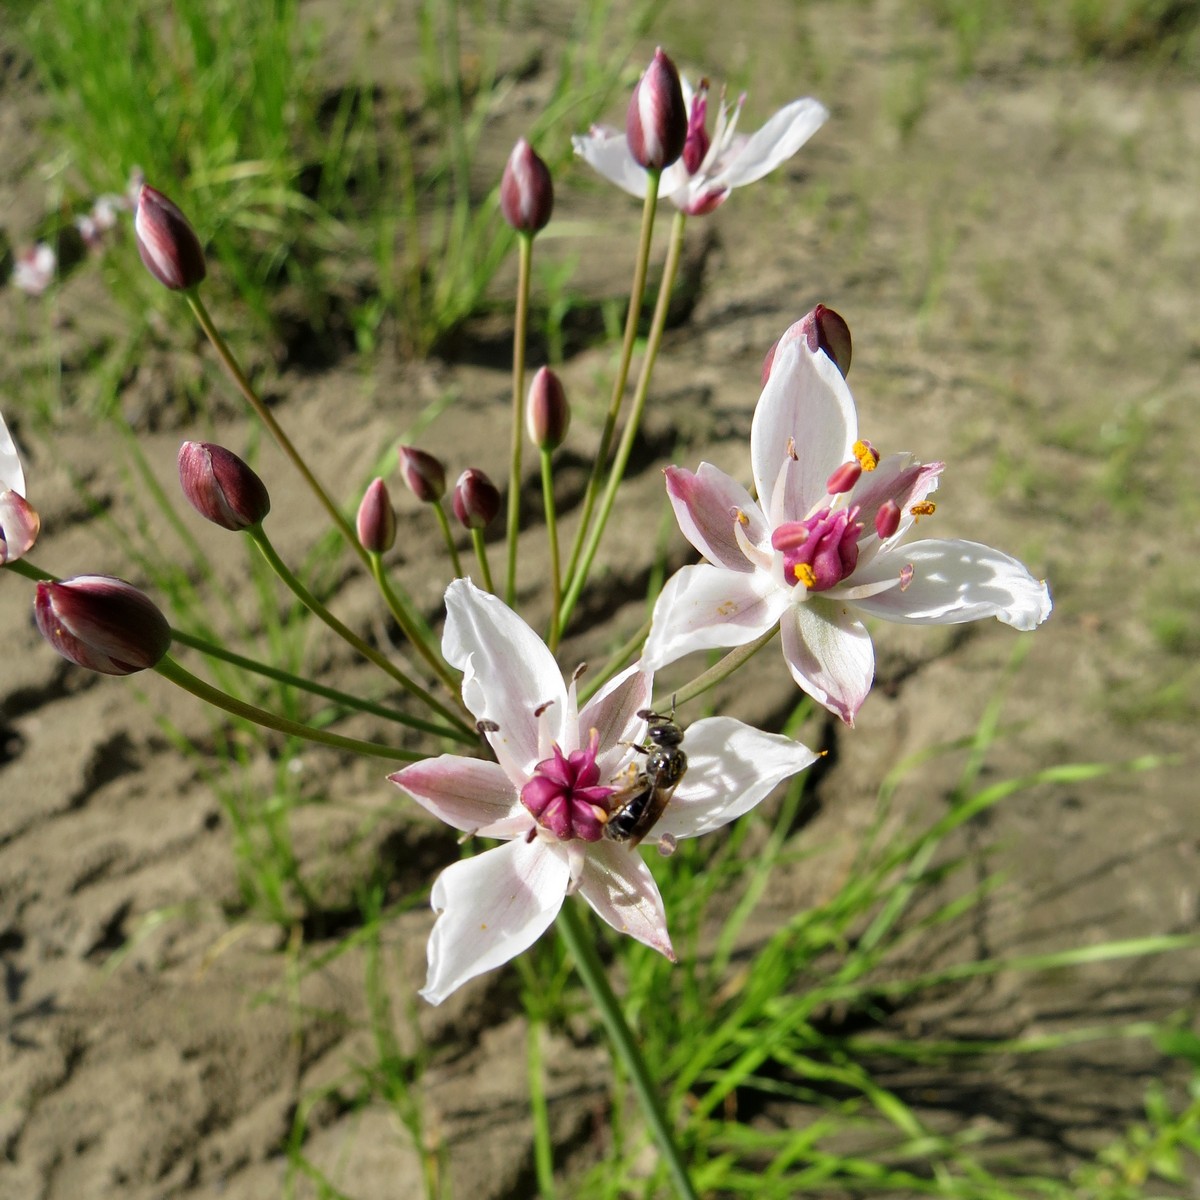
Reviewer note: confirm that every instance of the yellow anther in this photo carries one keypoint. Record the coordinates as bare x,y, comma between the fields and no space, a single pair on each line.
866,455
804,574
791,449
925,508
742,519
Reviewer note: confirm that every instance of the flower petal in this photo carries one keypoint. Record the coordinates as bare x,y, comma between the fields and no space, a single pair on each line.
468,793
774,143
805,409
491,908
612,712
12,477
707,506
705,606
953,582
508,674
607,151
731,768
829,654
619,887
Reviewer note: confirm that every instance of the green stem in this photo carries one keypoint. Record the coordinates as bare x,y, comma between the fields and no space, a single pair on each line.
345,633
723,669
579,943
448,534
552,536
264,414
636,292
524,257
543,1148
658,325
168,668
481,555
23,567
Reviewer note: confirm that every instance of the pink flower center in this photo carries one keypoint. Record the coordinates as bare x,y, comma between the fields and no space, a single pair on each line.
565,796
695,147
821,550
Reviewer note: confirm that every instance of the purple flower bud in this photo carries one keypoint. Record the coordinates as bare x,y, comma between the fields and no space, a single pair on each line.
547,414
221,487
376,519
696,145
102,623
167,243
656,123
476,499
424,474
526,190
822,329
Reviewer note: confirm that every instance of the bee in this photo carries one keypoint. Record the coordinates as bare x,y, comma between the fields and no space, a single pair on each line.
639,804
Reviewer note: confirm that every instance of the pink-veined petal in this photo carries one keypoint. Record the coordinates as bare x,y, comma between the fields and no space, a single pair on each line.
706,506
508,674
731,768
612,712
829,653
468,793
774,143
805,409
619,887
901,478
955,581
20,524
608,153
491,908
705,606
12,475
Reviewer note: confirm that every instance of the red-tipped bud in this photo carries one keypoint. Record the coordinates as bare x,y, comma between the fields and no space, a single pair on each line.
696,145
476,499
424,474
822,329
547,414
376,519
221,487
887,519
167,242
526,190
656,123
102,623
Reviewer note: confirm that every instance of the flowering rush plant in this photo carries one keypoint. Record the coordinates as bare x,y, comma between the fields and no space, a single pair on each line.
566,786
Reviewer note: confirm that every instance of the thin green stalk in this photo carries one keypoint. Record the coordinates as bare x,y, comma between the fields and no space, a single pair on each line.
636,292
543,1146
552,536
168,668
448,534
345,633
579,942
24,567
579,571
481,555
264,414
722,670
524,258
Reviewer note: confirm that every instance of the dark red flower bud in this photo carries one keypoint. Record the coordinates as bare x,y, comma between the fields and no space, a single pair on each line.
167,242
424,474
526,190
221,487
102,623
476,499
656,123
822,329
547,413
376,519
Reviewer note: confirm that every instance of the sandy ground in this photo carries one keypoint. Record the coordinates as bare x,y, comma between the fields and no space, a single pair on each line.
1016,252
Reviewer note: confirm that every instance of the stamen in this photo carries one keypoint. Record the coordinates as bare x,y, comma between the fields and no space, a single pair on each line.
577,674
485,726
887,519
740,517
844,478
541,708
866,454
924,508
906,576
791,449
804,574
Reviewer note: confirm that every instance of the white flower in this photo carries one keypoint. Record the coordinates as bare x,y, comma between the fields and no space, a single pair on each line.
33,272
709,168
19,521
561,762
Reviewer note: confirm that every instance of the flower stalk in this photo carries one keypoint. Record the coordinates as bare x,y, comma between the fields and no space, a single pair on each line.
524,259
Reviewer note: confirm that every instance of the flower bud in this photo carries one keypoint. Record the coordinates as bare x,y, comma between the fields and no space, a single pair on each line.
697,142
476,499
547,414
526,190
822,329
376,519
221,487
424,474
656,123
167,243
102,623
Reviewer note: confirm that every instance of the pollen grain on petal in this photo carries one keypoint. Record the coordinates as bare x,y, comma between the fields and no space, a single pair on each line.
726,608
923,508
906,576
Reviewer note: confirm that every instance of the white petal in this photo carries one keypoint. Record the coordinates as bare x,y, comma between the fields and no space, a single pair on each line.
706,506
731,768
829,654
468,793
705,606
619,886
508,674
492,907
774,143
806,409
12,476
607,151
612,712
953,582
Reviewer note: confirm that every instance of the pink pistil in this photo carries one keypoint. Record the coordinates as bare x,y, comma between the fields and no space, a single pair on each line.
821,550
565,796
